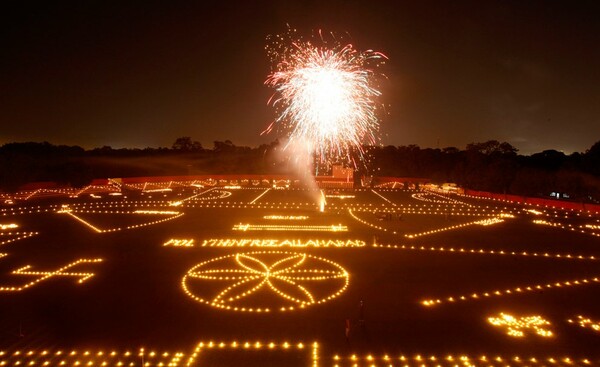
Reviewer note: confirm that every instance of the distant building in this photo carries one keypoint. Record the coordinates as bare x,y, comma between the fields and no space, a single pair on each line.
341,177
340,172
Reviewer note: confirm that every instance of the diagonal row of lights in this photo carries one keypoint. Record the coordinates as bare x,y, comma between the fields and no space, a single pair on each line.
15,236
99,230
509,291
487,252
484,222
570,227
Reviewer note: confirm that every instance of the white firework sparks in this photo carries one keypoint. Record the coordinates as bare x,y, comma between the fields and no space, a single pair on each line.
326,97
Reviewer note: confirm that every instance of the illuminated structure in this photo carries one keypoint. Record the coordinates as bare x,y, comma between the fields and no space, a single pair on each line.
341,178
8,237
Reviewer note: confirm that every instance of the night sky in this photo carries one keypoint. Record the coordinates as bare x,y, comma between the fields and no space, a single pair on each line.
137,74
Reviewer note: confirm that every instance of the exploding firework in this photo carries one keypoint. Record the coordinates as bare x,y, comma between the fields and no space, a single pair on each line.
326,94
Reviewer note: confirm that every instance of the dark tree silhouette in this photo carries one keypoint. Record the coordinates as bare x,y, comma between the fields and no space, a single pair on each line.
490,166
186,144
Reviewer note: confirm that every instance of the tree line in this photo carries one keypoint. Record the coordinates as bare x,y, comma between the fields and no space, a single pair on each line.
496,167
488,166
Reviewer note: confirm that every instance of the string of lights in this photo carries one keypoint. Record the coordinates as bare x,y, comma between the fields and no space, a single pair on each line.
568,227
450,360
482,251
71,213
306,228
41,276
384,198
274,270
144,357
518,326
510,291
260,196
586,323
8,237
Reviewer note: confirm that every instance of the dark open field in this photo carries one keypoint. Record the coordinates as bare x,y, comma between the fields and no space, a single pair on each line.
136,298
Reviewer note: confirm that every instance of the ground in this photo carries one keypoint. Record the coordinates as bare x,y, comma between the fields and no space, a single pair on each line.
201,271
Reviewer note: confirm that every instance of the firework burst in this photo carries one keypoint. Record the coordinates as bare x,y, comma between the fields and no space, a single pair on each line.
325,94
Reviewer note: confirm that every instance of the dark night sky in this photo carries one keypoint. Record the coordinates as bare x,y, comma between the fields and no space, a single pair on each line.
137,74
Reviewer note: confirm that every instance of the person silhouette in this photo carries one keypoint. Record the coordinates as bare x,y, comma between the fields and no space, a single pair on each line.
347,330
361,313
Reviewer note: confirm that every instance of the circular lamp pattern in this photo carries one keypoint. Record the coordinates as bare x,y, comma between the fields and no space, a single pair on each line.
265,281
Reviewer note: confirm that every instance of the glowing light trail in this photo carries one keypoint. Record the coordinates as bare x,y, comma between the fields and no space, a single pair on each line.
509,291
383,197
81,220
270,227
462,250
285,217
260,196
15,236
67,210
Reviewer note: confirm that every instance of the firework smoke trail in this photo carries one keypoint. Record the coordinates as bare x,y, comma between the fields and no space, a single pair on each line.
325,96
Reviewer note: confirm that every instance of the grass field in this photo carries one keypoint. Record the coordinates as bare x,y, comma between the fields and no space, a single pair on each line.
429,269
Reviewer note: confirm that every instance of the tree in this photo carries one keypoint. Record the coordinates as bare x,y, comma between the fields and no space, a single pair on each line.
186,144
592,159
492,146
224,146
